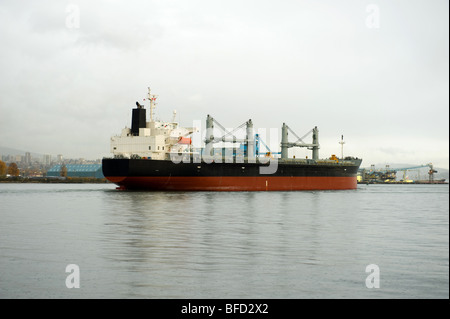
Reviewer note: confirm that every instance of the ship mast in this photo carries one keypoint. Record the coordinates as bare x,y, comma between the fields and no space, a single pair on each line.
152,98
342,146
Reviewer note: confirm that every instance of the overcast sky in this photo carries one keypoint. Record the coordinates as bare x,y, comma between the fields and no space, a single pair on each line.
375,71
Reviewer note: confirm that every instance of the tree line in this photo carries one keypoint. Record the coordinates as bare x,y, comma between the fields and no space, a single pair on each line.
11,169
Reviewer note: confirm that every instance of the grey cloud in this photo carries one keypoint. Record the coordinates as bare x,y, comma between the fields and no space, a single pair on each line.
306,62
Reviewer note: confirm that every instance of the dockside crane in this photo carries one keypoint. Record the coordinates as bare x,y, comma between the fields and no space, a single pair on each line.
260,142
431,171
390,173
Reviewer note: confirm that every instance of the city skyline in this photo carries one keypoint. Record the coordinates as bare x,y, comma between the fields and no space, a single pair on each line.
28,158
60,159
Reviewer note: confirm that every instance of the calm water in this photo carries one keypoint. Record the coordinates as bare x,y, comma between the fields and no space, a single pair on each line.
223,245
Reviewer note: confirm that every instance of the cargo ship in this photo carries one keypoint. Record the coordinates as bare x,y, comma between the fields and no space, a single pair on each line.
163,156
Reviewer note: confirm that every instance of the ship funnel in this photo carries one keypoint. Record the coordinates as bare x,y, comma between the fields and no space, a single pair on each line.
138,119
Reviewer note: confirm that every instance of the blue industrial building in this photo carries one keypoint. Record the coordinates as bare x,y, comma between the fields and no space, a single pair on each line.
78,170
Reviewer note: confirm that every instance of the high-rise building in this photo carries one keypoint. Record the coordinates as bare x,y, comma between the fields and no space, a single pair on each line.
27,158
47,159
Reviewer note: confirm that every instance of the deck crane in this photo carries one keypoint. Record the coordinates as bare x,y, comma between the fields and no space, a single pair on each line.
229,136
251,143
285,144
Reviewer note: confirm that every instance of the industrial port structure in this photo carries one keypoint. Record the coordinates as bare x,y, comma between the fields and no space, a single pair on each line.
388,175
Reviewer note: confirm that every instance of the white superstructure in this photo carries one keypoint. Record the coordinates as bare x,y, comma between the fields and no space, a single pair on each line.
156,140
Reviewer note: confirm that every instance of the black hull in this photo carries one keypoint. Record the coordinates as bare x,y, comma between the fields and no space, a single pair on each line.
289,175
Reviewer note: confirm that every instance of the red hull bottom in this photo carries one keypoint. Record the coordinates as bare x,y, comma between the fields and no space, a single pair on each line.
229,183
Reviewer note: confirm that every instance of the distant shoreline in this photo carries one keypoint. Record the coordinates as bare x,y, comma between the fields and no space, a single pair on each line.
54,180
405,183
